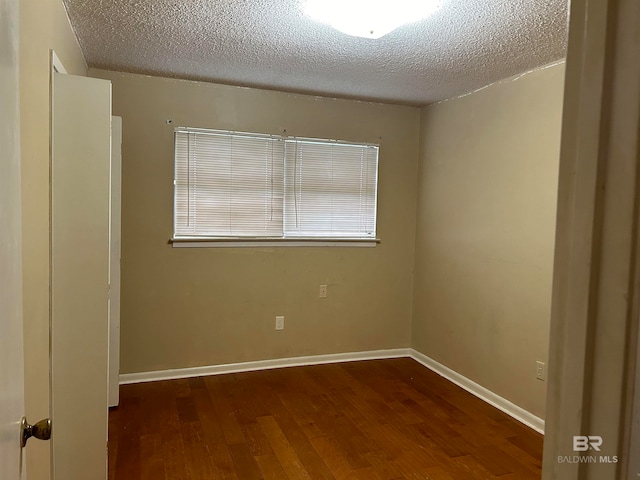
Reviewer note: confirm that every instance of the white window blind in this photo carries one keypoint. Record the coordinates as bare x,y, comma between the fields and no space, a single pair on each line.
330,189
241,185
227,184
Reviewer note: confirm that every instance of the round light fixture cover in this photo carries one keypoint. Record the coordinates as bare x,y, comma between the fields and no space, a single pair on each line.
369,18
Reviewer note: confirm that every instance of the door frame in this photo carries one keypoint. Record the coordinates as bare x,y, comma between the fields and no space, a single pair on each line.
12,378
596,280
115,234
56,66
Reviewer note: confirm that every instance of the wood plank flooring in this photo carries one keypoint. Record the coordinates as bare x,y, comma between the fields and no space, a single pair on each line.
371,420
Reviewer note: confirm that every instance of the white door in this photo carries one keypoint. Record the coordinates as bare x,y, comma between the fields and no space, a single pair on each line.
80,169
11,352
114,262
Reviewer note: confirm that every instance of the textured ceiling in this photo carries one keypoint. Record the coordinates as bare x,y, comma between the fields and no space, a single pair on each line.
465,45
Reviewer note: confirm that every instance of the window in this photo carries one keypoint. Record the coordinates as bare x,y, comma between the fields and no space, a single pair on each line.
231,185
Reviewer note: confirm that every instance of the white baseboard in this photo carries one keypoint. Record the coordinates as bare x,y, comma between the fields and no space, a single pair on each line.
511,409
261,365
470,386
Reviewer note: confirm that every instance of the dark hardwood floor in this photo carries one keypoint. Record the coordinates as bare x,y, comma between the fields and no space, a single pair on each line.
371,420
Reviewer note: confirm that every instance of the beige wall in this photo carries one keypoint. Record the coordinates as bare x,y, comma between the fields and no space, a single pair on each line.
485,233
192,307
43,26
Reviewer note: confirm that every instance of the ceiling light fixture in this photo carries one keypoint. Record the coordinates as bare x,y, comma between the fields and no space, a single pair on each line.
369,18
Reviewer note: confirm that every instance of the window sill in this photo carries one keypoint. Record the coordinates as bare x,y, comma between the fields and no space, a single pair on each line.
200,242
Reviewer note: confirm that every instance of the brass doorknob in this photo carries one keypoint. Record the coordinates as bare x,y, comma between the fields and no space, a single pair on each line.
41,430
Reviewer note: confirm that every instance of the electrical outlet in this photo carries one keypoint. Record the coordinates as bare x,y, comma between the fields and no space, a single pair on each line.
279,322
541,373
323,291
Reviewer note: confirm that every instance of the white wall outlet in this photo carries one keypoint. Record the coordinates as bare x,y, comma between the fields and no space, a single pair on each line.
323,291
541,371
279,322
